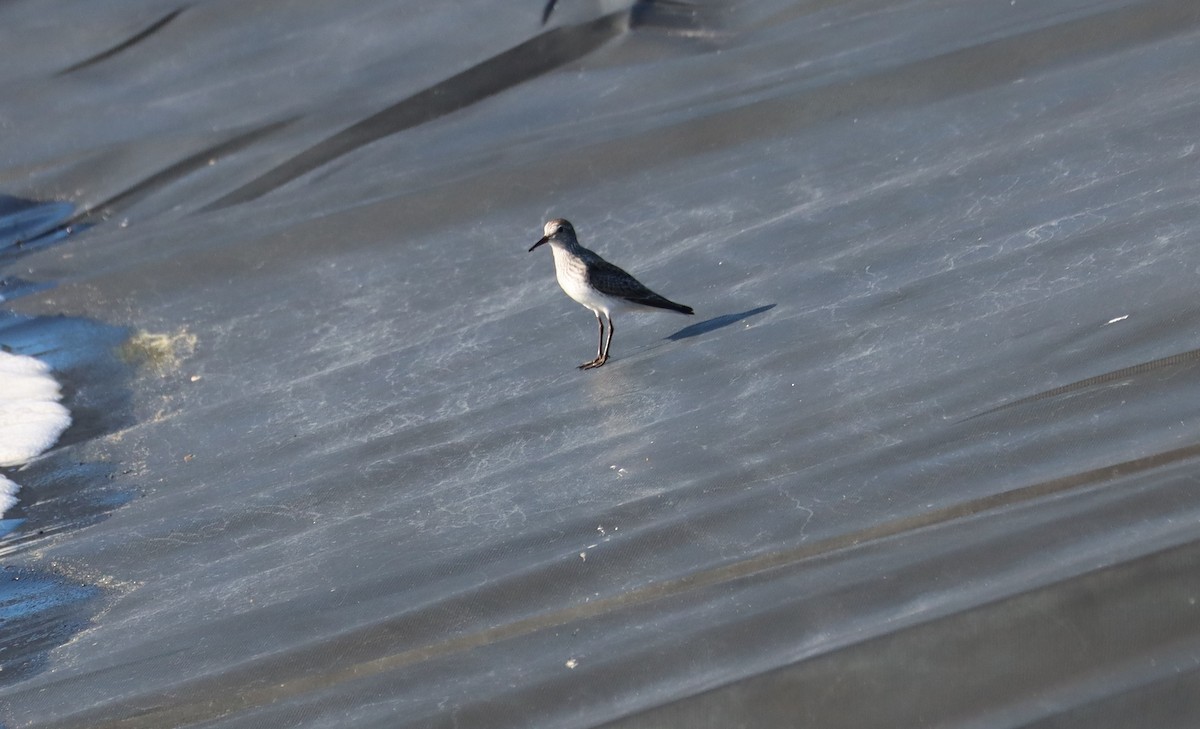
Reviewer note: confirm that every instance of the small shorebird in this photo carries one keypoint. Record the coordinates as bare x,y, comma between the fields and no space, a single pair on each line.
597,284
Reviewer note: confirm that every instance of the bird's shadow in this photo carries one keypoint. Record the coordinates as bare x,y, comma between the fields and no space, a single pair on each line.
708,325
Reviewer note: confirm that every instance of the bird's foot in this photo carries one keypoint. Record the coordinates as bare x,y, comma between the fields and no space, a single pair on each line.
598,362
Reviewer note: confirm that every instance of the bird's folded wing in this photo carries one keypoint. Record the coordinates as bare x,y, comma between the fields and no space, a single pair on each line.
612,281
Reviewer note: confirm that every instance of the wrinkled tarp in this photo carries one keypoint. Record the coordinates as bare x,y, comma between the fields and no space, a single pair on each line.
926,456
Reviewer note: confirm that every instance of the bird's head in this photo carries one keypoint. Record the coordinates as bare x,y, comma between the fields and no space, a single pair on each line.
557,229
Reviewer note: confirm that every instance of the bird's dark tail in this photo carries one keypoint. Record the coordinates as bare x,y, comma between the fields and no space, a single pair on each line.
661,302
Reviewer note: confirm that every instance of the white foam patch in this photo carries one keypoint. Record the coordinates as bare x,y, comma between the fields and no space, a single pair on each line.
8,494
31,418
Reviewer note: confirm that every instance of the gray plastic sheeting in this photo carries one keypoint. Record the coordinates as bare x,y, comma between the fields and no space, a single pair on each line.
926,456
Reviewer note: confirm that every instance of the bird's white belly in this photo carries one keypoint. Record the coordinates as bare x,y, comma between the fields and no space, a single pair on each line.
573,280
576,287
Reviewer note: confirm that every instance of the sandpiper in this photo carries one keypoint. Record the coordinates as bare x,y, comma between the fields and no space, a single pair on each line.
597,284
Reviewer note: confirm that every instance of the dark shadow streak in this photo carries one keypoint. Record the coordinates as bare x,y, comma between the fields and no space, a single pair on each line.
1123,373
708,325
637,13
85,219
927,80
524,62
135,39
181,168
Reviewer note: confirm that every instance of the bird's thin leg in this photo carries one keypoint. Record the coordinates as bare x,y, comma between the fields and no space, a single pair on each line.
599,347
602,357
600,343
608,342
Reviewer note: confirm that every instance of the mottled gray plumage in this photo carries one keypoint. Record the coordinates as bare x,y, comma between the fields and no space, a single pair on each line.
611,280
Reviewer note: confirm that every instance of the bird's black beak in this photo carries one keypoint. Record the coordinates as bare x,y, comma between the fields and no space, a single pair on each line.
535,245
